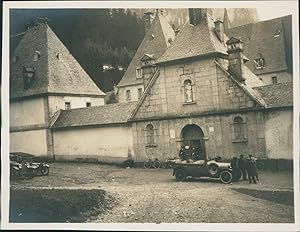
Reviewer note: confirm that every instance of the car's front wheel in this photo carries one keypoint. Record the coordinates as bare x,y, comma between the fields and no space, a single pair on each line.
226,177
180,175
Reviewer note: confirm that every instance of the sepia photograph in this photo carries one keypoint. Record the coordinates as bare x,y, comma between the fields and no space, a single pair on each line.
150,113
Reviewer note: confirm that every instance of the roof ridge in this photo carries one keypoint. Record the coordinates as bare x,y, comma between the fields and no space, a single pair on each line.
251,92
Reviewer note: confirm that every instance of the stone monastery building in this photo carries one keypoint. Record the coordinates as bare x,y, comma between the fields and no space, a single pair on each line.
226,90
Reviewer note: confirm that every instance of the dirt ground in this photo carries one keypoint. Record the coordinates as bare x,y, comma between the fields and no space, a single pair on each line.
154,196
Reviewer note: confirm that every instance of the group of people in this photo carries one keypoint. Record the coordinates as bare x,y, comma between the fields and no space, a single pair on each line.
244,166
195,154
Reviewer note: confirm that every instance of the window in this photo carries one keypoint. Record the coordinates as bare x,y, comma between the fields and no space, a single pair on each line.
88,104
150,134
36,55
28,77
140,92
188,91
67,105
59,56
259,63
274,79
139,73
128,95
239,128
15,59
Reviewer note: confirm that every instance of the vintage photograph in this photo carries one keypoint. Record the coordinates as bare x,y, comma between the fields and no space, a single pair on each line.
151,115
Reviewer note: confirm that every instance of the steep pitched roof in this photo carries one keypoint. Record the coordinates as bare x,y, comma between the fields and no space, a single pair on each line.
163,36
96,115
56,70
277,95
261,38
194,41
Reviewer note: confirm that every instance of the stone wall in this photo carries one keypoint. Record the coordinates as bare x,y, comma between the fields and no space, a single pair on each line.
218,136
212,91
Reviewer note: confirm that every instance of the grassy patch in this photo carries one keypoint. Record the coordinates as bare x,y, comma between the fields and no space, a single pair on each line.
56,205
281,197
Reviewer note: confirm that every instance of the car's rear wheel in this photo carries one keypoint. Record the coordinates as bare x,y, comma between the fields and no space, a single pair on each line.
213,169
180,175
226,177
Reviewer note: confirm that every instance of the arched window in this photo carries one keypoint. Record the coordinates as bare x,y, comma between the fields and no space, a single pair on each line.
150,134
239,128
188,91
36,55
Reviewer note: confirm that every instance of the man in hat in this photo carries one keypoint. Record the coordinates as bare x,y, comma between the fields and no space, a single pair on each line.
242,164
235,169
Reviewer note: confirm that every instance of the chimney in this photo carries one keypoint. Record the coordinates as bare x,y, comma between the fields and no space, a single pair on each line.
148,18
197,15
219,30
235,58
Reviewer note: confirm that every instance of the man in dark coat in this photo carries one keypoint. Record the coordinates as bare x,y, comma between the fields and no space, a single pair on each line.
242,164
235,169
182,153
252,171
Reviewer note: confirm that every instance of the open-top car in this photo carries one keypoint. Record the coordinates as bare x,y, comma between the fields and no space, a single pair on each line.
201,168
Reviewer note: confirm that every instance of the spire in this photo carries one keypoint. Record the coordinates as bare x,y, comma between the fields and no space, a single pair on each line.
226,20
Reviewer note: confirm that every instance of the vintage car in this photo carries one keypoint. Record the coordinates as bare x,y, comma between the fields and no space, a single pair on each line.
201,168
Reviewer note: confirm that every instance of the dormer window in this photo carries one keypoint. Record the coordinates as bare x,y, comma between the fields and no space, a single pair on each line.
36,55
15,59
147,60
28,77
139,73
259,63
59,56
277,33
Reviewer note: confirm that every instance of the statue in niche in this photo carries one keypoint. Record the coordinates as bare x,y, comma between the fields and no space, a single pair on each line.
188,91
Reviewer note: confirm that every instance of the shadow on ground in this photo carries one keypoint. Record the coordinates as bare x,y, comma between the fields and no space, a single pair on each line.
281,197
57,205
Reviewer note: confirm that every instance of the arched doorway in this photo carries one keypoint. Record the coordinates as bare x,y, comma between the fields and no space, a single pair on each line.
192,137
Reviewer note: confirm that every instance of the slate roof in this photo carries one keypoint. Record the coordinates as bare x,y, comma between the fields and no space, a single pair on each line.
259,38
194,41
156,46
277,95
52,75
95,115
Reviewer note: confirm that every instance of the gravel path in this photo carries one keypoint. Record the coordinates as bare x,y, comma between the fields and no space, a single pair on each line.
154,196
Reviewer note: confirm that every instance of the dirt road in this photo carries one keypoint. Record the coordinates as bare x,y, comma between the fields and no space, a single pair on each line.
154,196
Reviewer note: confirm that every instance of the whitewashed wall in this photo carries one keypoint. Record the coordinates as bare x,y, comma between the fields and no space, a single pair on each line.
108,144
27,112
279,134
32,142
58,102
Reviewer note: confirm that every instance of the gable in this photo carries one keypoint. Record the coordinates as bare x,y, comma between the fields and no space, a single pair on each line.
55,69
155,42
213,89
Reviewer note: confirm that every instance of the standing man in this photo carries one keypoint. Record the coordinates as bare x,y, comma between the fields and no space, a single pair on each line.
252,171
235,169
182,153
242,164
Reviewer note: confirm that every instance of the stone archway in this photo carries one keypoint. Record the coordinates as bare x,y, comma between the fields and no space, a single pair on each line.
192,136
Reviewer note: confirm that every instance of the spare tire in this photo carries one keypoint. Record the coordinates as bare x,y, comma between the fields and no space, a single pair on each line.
213,169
